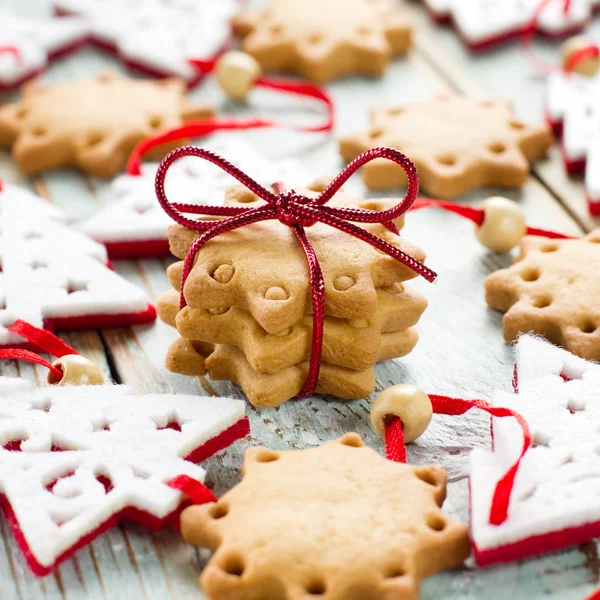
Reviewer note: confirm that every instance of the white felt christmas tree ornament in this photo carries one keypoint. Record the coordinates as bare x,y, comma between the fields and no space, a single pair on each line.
55,277
76,459
33,44
573,109
154,36
483,23
135,225
553,503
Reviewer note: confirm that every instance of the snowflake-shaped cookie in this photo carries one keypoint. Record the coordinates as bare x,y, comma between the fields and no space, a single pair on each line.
342,521
325,39
74,459
262,269
352,343
572,110
456,143
553,503
154,36
37,42
552,290
229,363
93,125
55,277
135,225
483,23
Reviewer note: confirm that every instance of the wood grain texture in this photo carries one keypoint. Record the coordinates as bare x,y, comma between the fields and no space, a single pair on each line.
460,351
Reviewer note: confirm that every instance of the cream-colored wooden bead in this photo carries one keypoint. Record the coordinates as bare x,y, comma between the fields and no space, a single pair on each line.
236,73
76,370
407,402
503,224
588,66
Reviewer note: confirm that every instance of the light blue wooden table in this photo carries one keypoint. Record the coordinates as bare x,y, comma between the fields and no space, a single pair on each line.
460,352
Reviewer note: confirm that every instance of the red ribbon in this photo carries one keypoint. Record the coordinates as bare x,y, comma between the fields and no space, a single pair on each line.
444,405
204,128
44,340
196,491
297,212
477,215
590,51
7,49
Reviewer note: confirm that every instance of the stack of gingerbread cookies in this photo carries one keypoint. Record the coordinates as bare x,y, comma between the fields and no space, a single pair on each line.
249,301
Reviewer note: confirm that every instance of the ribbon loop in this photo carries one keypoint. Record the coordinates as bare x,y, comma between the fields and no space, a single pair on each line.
296,211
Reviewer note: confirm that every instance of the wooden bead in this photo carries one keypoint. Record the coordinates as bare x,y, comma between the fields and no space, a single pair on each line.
236,73
407,402
503,225
76,370
588,66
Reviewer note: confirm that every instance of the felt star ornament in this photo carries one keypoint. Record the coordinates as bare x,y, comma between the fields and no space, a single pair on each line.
553,503
135,225
484,23
156,37
55,277
28,45
572,111
76,459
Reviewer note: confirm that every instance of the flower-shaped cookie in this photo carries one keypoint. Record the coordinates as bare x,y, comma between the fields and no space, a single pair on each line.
456,143
343,522
325,39
552,290
262,268
94,124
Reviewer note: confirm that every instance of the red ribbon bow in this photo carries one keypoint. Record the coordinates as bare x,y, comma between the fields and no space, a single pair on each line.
297,212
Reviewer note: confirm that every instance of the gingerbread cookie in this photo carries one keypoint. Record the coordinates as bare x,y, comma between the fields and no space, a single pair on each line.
262,269
352,343
343,522
552,290
325,39
92,125
456,143
229,363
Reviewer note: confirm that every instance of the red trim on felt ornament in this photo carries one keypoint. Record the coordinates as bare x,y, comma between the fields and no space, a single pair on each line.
219,442
445,405
297,212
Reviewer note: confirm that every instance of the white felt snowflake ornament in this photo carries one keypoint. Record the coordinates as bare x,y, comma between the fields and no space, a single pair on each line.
55,277
35,43
156,36
482,23
573,109
554,500
75,459
135,225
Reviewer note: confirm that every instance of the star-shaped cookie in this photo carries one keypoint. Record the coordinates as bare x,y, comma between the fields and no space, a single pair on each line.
325,39
352,343
456,143
552,290
262,268
94,124
343,522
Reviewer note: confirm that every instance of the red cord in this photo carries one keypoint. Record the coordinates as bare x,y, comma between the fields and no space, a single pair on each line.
445,405
196,491
296,211
477,215
590,51
7,49
32,357
208,126
42,339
